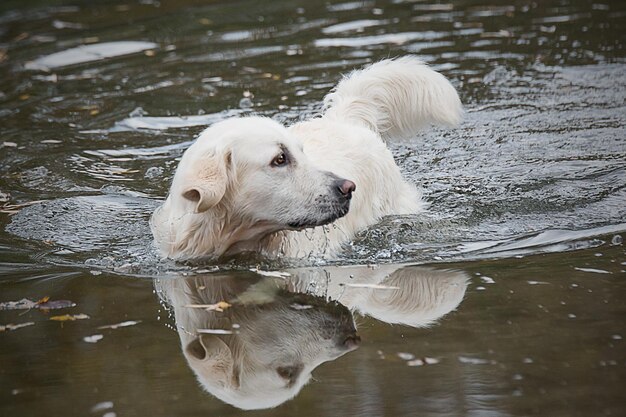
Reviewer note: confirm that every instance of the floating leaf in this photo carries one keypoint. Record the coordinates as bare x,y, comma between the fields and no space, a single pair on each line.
118,325
93,338
70,317
10,327
593,270
56,304
43,300
44,304
105,405
406,356
88,53
423,361
23,304
219,306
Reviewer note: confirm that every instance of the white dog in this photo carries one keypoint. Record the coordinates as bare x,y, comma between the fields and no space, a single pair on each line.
250,184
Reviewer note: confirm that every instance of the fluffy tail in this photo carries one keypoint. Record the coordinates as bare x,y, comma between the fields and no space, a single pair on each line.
395,97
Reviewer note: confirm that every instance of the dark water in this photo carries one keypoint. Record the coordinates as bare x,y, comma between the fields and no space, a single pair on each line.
527,207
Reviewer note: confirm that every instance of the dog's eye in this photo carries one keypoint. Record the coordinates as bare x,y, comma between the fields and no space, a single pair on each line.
290,373
280,160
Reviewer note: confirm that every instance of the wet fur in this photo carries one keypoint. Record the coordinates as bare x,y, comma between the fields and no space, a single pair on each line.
224,199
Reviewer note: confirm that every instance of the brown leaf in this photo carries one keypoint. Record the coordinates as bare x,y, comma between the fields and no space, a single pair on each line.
219,306
43,304
43,300
68,317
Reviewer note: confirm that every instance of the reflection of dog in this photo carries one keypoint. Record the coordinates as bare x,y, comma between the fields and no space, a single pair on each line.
250,184
278,337
411,295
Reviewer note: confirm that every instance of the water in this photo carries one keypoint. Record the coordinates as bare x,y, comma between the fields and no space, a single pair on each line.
526,200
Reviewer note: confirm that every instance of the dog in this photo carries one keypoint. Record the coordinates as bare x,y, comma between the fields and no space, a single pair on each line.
251,184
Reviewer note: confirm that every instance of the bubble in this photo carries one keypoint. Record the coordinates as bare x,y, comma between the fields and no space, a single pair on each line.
154,172
245,103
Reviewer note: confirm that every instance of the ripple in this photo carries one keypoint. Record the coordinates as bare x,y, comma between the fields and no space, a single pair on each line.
352,26
170,122
389,38
88,53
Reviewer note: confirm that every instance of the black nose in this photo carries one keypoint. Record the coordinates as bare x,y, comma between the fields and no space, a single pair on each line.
345,187
352,341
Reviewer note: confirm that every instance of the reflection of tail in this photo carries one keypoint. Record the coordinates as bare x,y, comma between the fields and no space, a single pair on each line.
395,97
423,296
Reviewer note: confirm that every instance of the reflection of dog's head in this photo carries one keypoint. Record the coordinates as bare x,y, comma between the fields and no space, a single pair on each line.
243,179
278,337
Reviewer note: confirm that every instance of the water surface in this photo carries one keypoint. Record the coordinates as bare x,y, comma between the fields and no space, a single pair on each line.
527,204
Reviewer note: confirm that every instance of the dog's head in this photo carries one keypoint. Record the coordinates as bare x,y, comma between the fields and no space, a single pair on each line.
251,177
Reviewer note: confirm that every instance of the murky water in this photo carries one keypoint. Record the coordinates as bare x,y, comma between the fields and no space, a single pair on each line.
516,307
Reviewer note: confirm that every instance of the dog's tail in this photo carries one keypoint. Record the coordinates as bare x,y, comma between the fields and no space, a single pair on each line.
395,97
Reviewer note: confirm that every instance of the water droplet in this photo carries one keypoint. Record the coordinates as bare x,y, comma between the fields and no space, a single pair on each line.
245,103
153,173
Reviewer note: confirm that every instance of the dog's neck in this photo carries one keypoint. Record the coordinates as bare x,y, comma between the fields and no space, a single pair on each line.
215,233
248,237
209,235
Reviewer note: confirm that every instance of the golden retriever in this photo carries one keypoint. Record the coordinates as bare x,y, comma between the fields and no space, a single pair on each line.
251,184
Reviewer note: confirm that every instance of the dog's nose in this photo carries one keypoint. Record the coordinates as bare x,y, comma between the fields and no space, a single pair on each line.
352,341
345,187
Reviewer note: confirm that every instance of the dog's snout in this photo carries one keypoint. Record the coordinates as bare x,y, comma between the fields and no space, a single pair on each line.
345,187
352,341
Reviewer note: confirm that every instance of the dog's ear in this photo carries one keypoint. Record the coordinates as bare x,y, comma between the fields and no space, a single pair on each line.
206,181
216,354
208,347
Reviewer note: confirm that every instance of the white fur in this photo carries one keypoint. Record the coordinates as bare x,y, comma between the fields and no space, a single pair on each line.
236,201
